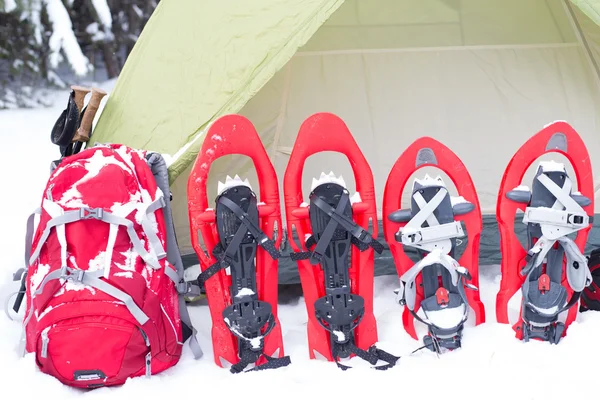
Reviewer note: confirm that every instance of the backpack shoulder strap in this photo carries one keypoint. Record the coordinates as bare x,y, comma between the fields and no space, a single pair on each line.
158,166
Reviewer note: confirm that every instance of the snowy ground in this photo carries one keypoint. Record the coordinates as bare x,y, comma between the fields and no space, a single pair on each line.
491,363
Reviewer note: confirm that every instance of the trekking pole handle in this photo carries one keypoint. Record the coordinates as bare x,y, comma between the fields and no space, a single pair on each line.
80,93
82,134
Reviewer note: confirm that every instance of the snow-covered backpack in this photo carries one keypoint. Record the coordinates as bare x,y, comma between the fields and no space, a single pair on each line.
104,285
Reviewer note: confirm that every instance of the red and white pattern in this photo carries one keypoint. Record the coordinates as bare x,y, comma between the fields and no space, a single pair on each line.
75,327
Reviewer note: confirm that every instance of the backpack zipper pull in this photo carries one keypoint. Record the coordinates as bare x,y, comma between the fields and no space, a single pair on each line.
148,359
49,192
45,341
149,364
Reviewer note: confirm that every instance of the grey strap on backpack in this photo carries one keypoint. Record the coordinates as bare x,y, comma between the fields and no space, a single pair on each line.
158,166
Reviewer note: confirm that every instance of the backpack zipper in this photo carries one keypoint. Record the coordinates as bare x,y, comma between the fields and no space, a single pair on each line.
148,359
49,192
45,342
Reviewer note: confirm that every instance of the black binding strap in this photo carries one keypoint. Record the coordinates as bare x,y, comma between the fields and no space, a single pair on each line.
360,237
247,316
225,256
250,354
339,312
371,356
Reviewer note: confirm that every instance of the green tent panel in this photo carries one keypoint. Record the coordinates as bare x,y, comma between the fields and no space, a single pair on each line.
481,76
196,60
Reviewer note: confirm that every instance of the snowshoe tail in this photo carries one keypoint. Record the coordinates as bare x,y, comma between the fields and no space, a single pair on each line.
437,284
336,258
551,212
240,274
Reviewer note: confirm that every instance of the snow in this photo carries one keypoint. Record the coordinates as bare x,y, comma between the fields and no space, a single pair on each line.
447,318
63,39
454,200
552,166
103,12
355,198
522,188
554,122
491,360
245,292
429,181
9,5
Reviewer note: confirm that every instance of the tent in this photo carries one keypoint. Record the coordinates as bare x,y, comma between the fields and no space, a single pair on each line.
481,76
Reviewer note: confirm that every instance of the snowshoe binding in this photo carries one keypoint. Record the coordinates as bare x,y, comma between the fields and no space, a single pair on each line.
437,283
590,298
552,211
336,259
241,276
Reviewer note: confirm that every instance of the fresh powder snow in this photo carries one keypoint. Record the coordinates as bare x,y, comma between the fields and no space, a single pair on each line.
492,362
552,166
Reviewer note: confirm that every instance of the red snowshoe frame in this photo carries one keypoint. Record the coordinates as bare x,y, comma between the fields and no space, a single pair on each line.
408,163
513,253
234,134
327,132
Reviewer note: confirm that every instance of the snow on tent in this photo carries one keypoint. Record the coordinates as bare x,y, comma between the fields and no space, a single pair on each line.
481,76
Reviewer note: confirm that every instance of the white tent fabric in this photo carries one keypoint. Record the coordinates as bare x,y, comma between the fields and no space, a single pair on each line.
481,76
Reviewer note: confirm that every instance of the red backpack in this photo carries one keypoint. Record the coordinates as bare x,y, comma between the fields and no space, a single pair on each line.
105,285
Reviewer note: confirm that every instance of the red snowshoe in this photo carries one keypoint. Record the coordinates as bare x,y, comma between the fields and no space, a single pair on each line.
429,229
552,271
240,274
335,254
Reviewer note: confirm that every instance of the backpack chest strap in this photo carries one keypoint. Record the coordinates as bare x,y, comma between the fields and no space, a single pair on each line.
60,218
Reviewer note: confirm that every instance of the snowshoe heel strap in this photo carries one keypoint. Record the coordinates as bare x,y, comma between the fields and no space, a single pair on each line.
340,313
372,356
245,319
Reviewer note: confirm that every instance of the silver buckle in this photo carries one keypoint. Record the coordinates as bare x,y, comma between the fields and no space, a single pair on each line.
89,213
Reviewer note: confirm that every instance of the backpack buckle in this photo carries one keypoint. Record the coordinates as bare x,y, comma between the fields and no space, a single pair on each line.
89,213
